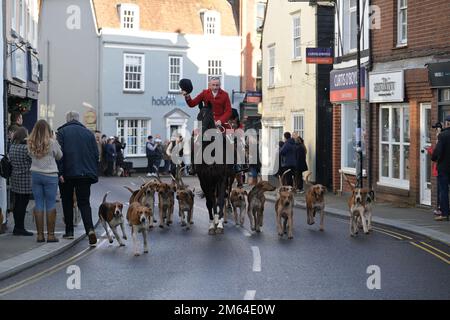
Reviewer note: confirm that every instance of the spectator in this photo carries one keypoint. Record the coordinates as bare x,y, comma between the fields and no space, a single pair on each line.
20,180
119,145
111,156
441,155
77,171
98,140
44,151
301,165
152,156
178,144
434,171
289,158
253,160
166,157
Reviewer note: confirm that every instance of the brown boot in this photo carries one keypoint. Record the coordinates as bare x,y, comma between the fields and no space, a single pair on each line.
39,219
51,220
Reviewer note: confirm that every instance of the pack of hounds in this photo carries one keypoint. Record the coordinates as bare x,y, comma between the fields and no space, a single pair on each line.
141,210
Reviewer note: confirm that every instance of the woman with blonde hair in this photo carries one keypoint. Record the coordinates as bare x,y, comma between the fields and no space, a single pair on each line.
44,150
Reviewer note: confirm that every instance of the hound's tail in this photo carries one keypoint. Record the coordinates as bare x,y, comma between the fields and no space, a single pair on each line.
281,178
352,185
128,188
104,197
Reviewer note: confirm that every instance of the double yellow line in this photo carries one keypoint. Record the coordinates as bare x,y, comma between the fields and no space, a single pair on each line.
423,245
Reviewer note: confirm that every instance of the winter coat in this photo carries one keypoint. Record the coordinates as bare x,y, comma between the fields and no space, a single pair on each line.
441,154
111,152
301,158
21,164
80,152
288,154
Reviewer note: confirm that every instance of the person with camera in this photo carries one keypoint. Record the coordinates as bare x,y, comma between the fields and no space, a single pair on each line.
119,145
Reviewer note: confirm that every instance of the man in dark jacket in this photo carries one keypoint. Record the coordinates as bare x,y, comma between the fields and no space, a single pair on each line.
441,155
289,158
77,171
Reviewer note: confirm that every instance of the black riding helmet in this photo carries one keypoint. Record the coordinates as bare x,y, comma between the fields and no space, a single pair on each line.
186,85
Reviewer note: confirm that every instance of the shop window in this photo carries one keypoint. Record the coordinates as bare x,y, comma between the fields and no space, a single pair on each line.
134,132
394,145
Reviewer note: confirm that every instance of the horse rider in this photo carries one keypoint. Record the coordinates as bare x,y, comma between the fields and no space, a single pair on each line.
220,101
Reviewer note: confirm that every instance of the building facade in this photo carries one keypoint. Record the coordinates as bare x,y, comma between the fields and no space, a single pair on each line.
22,60
69,50
409,92
143,59
292,89
343,92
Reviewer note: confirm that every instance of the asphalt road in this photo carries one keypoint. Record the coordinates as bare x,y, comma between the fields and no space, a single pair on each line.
240,264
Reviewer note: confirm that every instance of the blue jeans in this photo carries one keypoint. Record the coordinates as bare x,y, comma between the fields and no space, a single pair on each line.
443,180
44,191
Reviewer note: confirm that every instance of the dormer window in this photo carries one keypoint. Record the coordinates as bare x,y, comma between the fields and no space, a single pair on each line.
211,22
129,16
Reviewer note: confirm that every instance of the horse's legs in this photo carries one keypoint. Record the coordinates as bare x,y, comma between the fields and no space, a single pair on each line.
209,196
221,203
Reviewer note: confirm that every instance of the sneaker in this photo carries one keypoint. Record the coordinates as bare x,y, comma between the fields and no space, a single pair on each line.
149,174
301,191
68,235
92,238
441,218
437,212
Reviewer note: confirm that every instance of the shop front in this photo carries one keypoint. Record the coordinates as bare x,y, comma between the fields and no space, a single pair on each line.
343,95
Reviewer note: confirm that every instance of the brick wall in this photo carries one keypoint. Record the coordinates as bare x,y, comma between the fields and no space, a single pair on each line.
428,27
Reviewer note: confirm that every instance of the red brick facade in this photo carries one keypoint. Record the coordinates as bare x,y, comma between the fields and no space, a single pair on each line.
428,40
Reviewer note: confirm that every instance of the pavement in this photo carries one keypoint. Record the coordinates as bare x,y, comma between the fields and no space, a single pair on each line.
18,253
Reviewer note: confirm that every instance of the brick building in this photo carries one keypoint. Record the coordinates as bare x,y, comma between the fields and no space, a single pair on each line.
411,45
407,90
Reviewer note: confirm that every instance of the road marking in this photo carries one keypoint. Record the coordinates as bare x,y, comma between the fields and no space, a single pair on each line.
250,295
399,234
391,235
431,252
256,259
446,254
49,271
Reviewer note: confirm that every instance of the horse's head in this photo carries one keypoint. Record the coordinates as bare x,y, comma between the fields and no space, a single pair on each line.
206,116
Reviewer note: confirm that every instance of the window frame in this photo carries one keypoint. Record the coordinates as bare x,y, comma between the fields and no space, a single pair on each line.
400,24
139,140
142,88
271,64
180,59
22,19
390,181
14,15
209,75
301,115
259,18
134,9
294,37
215,26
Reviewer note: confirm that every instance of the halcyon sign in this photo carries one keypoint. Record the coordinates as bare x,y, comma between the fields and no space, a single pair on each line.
164,101
386,86
344,83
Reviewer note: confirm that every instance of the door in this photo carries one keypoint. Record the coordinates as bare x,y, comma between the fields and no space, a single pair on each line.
425,158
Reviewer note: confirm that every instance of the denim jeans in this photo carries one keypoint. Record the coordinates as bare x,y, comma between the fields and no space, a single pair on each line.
44,191
443,180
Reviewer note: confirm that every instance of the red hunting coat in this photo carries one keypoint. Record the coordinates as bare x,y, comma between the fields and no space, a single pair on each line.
221,104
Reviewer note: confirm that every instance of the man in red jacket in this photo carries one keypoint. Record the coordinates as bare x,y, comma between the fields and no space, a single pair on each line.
219,99
221,106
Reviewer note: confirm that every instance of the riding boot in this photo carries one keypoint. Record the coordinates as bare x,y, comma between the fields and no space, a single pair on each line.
39,219
51,221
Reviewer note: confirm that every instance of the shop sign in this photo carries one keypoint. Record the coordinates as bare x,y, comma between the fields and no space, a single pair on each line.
386,86
344,83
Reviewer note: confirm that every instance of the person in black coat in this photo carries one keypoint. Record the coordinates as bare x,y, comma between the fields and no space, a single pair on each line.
111,156
441,154
289,158
77,172
301,165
